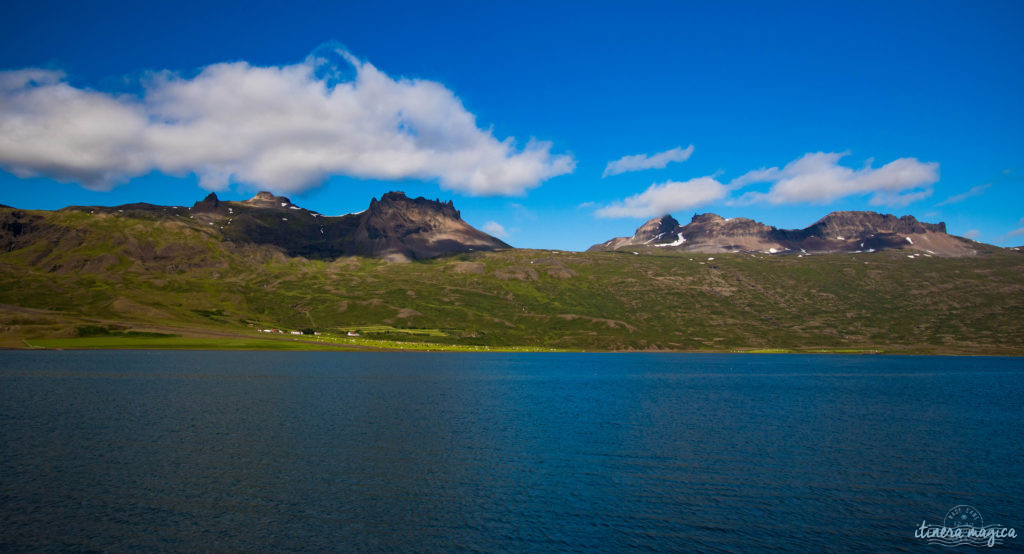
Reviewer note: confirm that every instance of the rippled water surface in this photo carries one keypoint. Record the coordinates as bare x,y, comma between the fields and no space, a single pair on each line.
185,451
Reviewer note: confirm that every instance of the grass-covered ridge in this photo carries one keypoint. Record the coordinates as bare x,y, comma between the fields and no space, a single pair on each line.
175,275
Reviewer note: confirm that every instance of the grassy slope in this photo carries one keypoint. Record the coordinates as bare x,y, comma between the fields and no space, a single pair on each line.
176,275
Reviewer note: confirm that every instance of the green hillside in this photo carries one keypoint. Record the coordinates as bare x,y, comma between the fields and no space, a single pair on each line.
72,278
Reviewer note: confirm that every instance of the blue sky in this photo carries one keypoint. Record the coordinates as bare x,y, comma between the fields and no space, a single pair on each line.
897,107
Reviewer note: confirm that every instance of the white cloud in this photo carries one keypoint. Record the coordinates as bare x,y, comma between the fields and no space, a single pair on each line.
50,128
495,228
665,198
643,161
956,198
763,175
282,128
1016,232
818,178
973,234
815,177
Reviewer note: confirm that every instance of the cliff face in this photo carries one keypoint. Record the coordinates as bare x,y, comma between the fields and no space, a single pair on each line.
711,226
850,231
656,228
19,228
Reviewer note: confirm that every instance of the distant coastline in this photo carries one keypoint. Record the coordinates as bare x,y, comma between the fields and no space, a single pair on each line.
341,344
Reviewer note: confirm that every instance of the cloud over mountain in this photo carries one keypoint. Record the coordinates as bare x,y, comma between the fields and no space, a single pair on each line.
284,128
818,178
666,198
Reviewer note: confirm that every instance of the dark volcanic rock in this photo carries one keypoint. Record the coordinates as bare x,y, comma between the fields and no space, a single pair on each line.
210,204
17,227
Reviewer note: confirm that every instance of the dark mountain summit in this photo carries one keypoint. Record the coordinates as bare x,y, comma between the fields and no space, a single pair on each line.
656,228
210,204
837,232
397,225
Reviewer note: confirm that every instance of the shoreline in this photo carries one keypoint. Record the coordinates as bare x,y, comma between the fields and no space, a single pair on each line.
269,345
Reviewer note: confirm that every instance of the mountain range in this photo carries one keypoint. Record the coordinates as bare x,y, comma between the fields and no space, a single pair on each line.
399,228
221,271
396,227
837,232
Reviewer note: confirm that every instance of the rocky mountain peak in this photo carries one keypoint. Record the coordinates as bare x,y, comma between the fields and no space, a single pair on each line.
849,231
210,204
398,202
397,227
706,218
264,199
394,227
862,223
656,227
704,228
394,196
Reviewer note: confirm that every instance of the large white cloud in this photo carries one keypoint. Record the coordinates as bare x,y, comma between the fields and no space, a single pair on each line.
639,162
50,128
281,128
818,178
665,198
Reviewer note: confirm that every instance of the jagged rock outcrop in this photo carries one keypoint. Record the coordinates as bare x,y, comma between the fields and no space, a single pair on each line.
849,231
397,227
210,204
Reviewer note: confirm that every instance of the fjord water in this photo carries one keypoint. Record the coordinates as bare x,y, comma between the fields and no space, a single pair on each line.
184,451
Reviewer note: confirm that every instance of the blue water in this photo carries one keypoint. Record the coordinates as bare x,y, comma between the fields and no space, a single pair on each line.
185,451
